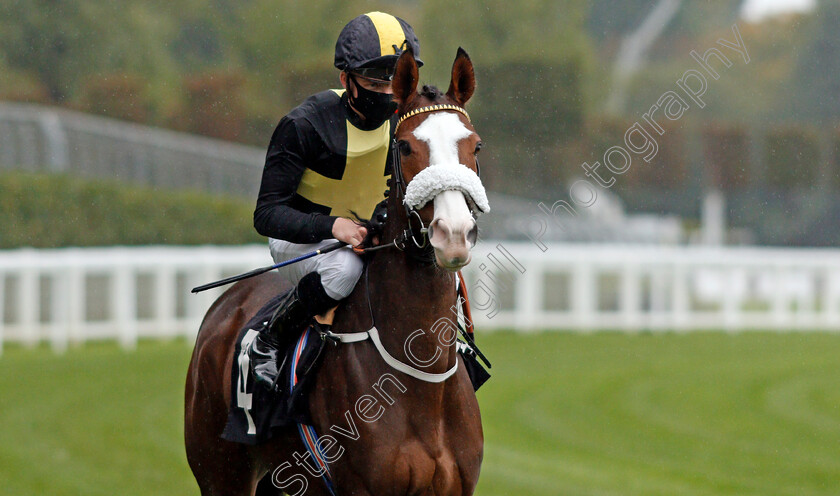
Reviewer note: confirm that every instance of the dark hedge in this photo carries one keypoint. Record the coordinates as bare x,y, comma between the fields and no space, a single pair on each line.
48,211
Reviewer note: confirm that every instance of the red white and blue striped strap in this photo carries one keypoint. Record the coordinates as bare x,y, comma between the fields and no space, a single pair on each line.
307,432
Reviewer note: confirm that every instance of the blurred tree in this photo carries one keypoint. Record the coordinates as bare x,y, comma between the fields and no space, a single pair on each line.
753,93
607,21
120,95
726,156
529,63
287,38
793,157
818,66
49,37
213,105
20,85
696,19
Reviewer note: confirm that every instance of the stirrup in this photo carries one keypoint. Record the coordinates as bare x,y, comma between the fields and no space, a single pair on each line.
270,345
263,353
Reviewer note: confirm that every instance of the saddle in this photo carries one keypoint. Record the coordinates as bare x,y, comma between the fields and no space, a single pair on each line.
255,411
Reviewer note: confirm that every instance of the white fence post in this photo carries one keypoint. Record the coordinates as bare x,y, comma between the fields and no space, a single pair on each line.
58,325
28,306
680,300
75,300
529,297
2,310
165,281
582,295
630,297
659,298
125,295
781,303
831,299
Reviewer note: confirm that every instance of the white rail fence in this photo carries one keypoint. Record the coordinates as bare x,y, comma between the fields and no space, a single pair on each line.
47,139
69,296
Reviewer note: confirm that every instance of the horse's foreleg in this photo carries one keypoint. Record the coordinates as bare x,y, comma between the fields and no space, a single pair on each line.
220,467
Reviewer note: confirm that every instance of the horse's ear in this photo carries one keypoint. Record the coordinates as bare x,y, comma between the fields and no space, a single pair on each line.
462,84
405,79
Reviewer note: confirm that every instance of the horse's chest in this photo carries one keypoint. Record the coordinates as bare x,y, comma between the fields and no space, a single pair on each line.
432,471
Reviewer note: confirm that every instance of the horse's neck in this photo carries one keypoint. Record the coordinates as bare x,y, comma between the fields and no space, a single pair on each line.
407,295
398,282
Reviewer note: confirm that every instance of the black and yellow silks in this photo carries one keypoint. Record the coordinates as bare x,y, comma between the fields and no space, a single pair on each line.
321,164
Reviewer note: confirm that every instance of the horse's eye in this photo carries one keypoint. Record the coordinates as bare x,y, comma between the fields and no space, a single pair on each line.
404,147
478,147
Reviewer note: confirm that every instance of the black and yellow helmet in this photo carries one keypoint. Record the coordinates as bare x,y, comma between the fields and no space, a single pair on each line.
371,44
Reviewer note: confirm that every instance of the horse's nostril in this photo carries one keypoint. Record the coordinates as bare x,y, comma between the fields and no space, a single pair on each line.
472,235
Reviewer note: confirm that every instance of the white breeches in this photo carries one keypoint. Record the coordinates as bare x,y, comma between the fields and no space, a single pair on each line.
340,269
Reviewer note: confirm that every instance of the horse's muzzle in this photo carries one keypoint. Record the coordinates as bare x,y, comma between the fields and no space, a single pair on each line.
453,231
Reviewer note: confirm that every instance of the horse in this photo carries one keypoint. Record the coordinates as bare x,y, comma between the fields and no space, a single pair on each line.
385,430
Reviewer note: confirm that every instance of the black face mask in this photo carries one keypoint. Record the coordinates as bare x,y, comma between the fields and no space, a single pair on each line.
376,107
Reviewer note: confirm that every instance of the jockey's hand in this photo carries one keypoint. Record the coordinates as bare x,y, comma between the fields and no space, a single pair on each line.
348,231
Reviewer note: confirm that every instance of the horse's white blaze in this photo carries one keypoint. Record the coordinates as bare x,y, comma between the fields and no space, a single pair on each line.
452,224
449,231
442,131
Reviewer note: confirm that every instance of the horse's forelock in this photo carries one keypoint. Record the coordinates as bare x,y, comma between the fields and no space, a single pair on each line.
427,95
432,93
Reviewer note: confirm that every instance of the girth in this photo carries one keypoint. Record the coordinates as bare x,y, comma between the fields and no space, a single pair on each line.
373,335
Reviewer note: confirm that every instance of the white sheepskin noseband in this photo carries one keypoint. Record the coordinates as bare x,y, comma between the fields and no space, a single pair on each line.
442,131
438,178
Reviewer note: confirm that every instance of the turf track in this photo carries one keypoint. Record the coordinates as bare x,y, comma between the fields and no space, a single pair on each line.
602,414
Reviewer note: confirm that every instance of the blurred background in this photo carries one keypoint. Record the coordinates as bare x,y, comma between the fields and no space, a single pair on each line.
132,138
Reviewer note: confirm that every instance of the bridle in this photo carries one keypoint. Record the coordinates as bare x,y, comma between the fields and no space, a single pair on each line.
401,243
396,162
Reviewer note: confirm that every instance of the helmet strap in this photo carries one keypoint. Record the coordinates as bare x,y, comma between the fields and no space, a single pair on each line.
352,99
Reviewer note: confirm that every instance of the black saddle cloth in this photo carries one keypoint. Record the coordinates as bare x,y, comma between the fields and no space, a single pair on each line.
255,411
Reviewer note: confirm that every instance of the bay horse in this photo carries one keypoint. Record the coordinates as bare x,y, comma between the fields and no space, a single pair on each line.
389,432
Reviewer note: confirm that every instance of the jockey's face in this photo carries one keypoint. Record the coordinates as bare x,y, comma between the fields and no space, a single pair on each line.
377,85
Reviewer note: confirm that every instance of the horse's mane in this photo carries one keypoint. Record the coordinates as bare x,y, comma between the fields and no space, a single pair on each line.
362,221
373,227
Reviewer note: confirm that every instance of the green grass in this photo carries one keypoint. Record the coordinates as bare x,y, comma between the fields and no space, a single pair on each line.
602,414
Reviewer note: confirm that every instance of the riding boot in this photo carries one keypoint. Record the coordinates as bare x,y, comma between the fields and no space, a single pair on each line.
293,315
285,325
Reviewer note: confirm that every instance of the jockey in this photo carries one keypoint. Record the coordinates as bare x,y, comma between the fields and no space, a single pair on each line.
327,158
